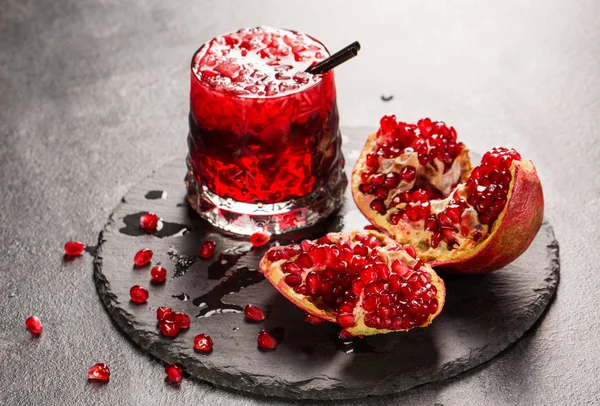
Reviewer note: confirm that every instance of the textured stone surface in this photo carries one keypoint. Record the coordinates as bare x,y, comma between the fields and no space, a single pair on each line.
483,314
93,97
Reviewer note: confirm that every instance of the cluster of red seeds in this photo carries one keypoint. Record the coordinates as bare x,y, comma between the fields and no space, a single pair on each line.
170,322
429,139
489,183
394,297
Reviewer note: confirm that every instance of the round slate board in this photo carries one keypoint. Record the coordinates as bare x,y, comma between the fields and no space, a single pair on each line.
483,314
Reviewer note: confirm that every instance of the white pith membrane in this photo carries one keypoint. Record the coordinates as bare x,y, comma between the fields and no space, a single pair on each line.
386,252
468,232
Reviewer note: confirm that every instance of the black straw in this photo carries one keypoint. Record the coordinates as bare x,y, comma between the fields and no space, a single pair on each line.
335,60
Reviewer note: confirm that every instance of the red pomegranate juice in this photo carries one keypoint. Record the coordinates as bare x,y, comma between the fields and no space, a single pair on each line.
261,129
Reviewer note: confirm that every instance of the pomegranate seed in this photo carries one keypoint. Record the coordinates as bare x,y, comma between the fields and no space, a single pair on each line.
260,238
346,320
392,180
379,206
149,222
266,341
74,248
158,273
408,173
182,320
274,255
253,313
203,343
371,227
293,280
34,325
163,312
174,374
99,372
207,250
304,261
142,257
313,320
138,294
168,328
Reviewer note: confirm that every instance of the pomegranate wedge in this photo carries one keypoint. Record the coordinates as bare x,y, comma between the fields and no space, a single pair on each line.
464,220
363,280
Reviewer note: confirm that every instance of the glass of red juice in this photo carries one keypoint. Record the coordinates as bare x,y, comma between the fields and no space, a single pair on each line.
264,141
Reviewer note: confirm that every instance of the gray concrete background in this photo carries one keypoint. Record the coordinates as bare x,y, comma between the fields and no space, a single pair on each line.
93,97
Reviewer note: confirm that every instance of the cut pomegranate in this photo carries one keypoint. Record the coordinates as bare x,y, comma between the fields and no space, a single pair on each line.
462,219
253,313
138,294
74,248
364,281
174,374
266,341
207,250
203,343
99,372
260,238
34,325
149,222
142,257
313,320
158,273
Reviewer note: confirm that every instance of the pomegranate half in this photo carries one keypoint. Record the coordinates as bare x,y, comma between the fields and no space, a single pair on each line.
363,280
415,183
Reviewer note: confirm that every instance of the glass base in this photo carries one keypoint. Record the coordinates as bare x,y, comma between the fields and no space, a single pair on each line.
276,218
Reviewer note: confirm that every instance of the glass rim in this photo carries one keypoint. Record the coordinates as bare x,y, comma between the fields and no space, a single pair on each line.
256,97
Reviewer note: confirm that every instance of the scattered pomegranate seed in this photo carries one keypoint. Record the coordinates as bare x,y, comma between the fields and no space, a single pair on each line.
163,312
34,325
207,250
203,343
74,248
142,257
253,313
138,294
181,319
313,320
168,328
266,341
99,372
149,222
260,238
158,273
174,374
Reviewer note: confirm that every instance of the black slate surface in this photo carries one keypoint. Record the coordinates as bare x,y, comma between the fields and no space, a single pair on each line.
483,314
94,96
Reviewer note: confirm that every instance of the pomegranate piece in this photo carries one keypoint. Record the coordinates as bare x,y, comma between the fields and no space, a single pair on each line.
253,313
182,320
74,248
138,294
142,257
203,343
260,238
364,281
149,222
159,274
464,219
99,372
207,250
34,325
174,374
266,341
